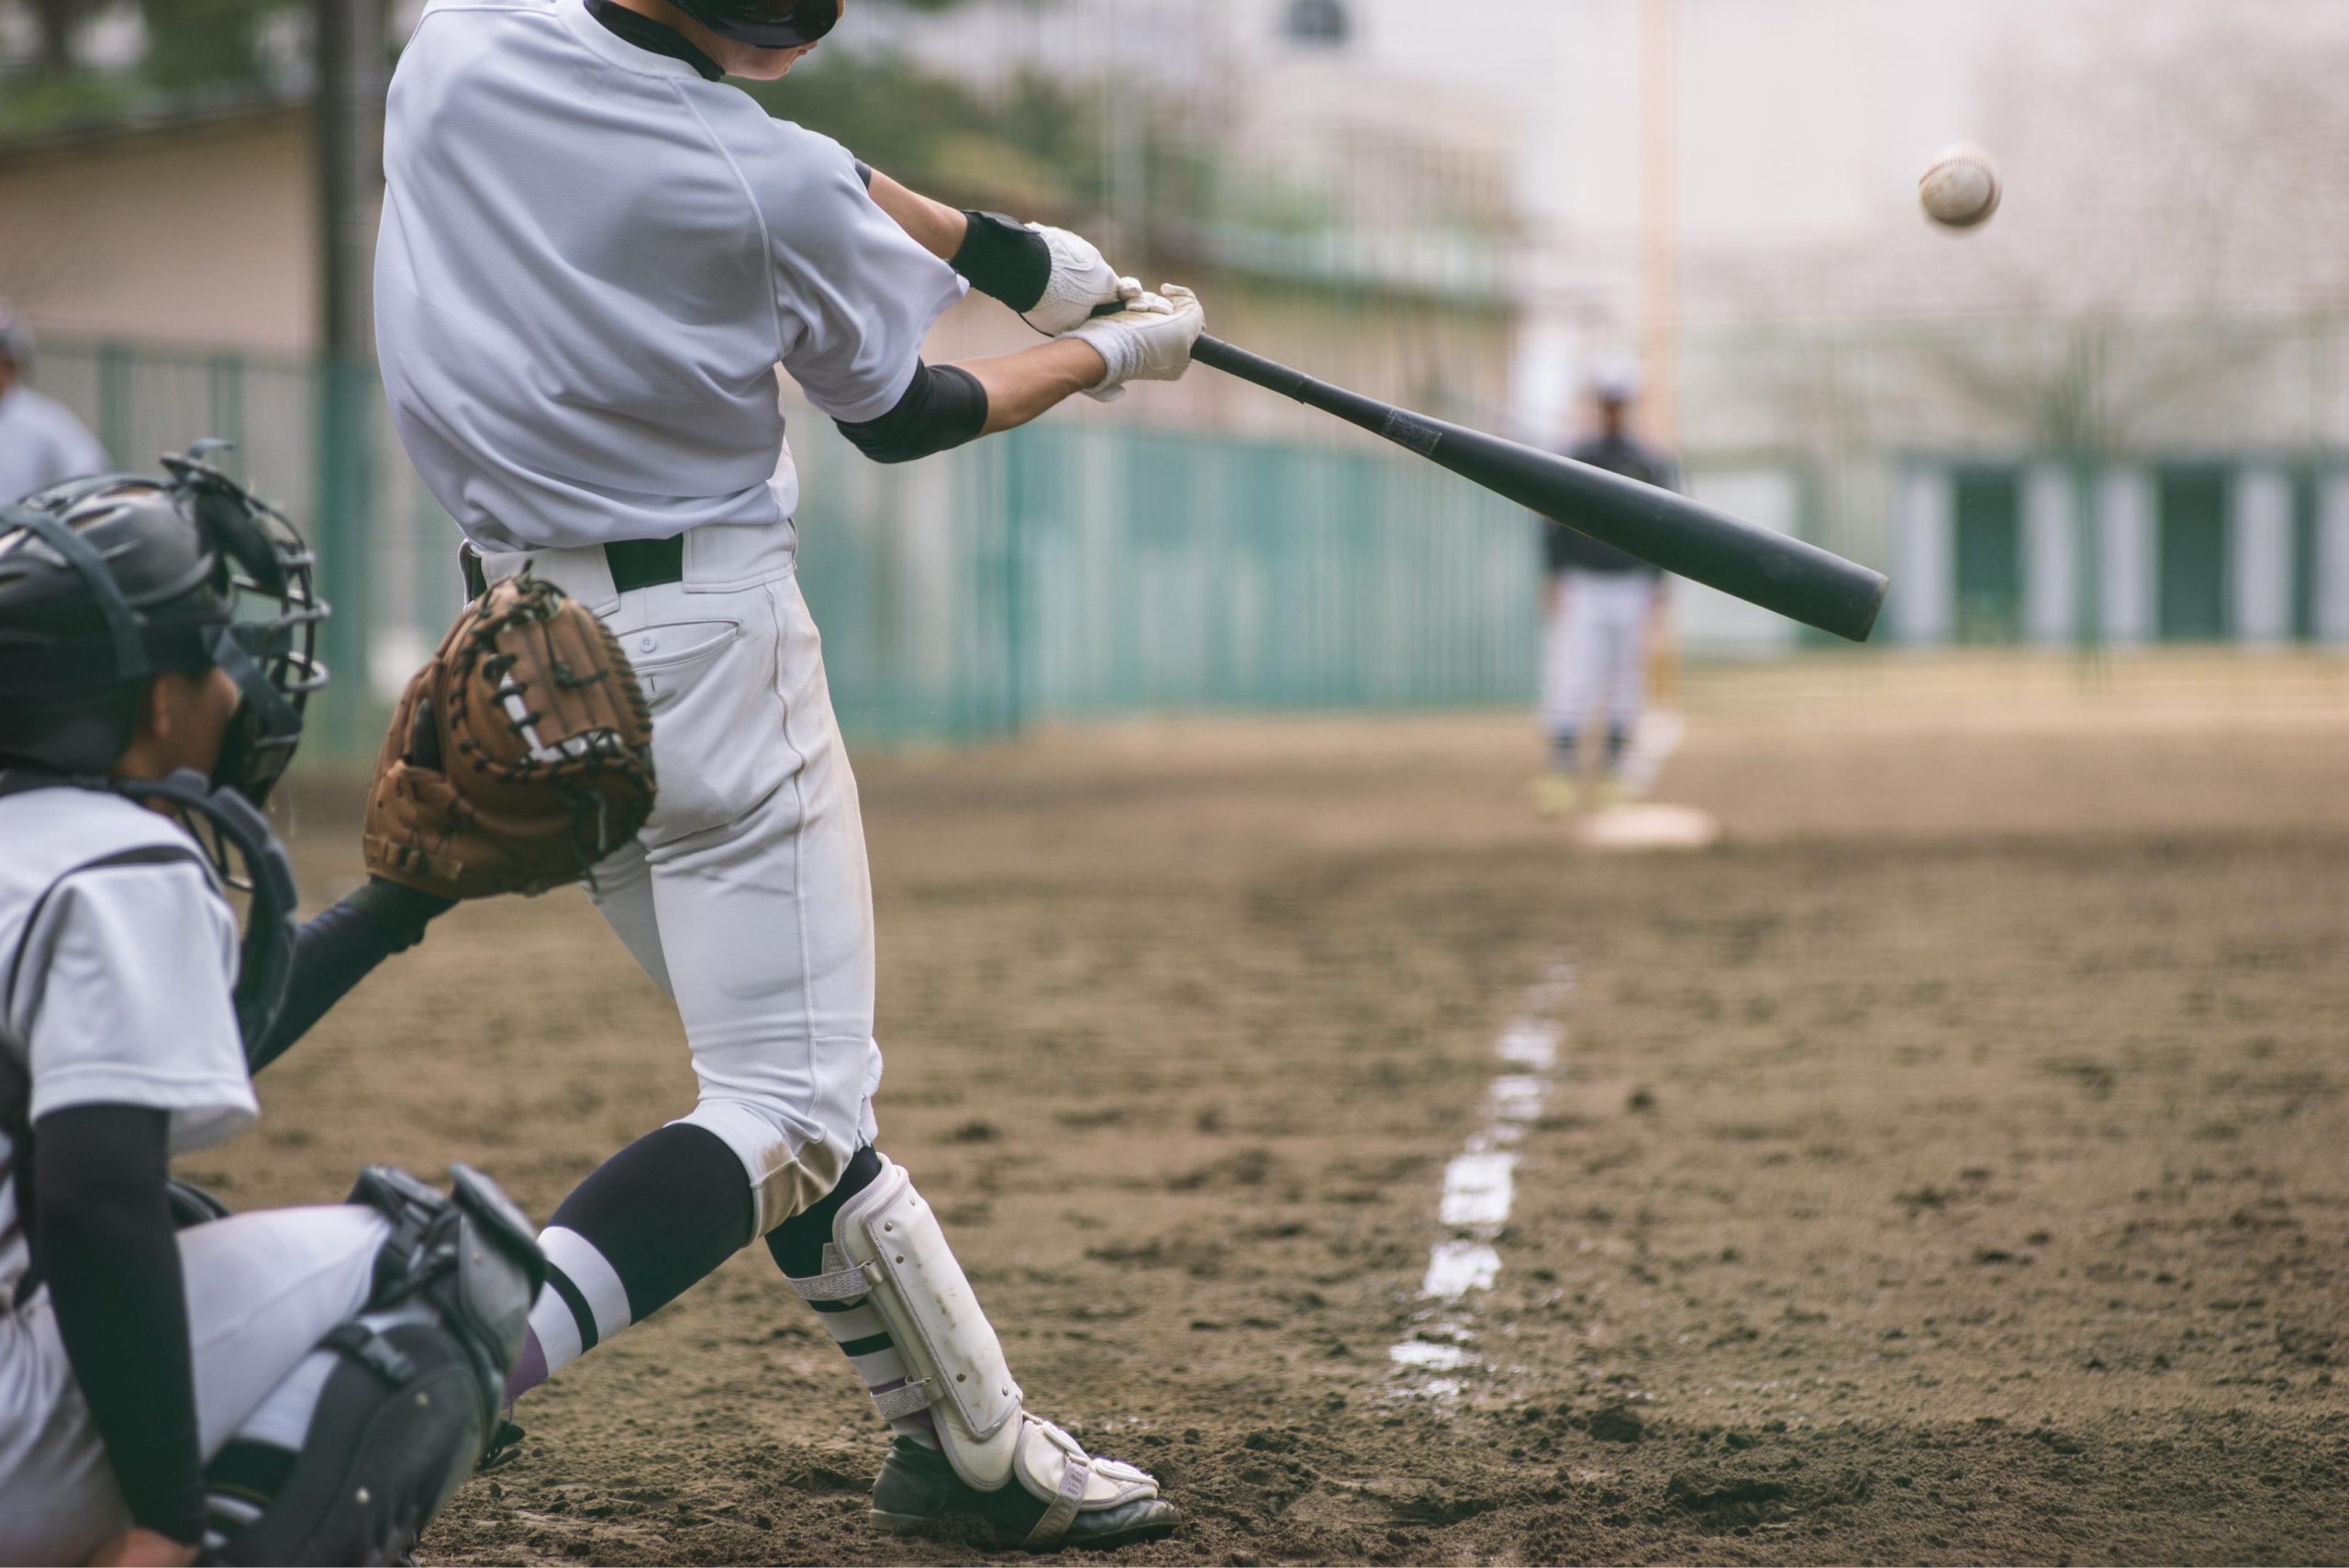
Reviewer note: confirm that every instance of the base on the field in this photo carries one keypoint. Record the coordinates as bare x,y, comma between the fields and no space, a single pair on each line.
1648,827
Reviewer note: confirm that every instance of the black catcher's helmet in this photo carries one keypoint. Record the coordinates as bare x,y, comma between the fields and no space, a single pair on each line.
766,24
106,581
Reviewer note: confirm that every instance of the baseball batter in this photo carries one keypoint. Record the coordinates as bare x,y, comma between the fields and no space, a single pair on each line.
302,1385
1604,608
594,255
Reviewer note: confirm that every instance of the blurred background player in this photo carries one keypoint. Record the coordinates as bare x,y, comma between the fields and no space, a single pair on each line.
41,443
1606,611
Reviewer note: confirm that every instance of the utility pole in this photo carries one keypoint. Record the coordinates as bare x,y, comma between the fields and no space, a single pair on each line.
354,75
352,41
1660,215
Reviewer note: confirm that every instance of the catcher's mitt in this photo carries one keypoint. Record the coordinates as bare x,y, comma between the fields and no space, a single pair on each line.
519,756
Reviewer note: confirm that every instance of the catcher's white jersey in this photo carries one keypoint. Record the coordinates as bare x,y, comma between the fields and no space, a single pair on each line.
593,260
118,962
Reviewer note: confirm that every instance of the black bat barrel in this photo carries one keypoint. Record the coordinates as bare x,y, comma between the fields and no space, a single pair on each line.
1796,580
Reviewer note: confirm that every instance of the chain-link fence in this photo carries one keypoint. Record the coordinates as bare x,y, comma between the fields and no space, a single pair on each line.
1065,572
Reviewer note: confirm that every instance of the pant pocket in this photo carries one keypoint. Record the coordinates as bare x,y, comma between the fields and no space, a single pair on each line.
718,742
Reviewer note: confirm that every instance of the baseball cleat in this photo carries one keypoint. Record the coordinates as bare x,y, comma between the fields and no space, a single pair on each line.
920,1492
504,1446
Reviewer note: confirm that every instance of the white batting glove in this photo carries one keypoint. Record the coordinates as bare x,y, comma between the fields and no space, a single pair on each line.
1081,283
1151,339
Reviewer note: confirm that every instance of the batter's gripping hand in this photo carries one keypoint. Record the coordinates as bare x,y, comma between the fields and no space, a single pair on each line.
1151,339
1081,283
519,756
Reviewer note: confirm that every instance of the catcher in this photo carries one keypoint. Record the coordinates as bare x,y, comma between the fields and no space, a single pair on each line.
295,1385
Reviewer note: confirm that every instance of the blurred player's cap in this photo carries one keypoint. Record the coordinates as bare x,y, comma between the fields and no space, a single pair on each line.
15,335
1616,381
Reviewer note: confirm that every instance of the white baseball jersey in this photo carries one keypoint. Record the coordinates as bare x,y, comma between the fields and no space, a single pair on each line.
569,369
117,963
42,444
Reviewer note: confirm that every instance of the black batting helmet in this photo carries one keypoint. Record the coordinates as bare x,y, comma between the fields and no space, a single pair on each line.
766,24
106,581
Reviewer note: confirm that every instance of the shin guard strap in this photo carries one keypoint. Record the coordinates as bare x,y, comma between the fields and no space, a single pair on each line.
902,1400
846,1285
1077,1473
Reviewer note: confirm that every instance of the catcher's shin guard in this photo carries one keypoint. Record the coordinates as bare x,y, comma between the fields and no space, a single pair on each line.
397,1430
410,1404
1024,1476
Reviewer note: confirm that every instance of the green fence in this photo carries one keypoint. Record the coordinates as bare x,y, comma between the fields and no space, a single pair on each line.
1079,569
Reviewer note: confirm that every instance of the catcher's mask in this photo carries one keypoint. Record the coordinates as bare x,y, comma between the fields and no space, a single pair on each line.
106,581
766,24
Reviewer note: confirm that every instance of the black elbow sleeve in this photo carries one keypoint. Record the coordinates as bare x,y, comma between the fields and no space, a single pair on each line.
1005,259
944,408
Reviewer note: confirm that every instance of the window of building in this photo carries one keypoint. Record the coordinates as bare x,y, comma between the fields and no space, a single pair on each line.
2307,501
2193,572
1988,537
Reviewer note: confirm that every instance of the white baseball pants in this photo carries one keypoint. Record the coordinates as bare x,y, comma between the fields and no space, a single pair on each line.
747,897
1596,651
261,1290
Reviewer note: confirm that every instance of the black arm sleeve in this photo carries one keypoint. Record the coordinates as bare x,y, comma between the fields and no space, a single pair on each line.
102,1230
1005,259
945,407
341,948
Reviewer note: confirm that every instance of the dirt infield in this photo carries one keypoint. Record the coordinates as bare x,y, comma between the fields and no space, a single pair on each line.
1952,1165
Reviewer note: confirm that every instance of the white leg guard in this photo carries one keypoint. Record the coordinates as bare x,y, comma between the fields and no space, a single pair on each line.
887,1246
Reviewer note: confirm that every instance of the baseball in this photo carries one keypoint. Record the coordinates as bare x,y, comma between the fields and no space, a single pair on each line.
1960,188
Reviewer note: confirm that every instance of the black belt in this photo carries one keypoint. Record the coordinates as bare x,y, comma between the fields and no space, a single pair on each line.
634,563
646,562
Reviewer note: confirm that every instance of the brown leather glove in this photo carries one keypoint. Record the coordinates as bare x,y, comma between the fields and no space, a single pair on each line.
519,756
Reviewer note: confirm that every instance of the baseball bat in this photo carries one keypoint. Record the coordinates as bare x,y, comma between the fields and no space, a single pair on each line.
1796,580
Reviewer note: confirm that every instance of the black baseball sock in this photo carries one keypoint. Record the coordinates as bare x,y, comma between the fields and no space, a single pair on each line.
797,1245
660,1213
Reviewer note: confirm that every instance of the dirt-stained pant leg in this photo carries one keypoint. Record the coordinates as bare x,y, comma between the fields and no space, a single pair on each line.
749,898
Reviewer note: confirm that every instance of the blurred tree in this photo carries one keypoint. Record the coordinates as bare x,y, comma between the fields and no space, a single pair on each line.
56,20
189,42
201,43
1033,147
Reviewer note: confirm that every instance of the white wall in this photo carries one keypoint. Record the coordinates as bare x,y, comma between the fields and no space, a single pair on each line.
2051,555
1709,621
1924,553
2260,535
2126,556
203,235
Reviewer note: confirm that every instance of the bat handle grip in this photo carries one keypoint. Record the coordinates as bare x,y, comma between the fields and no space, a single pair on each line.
1217,354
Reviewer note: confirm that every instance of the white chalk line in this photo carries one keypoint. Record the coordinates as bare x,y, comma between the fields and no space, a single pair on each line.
1479,1189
